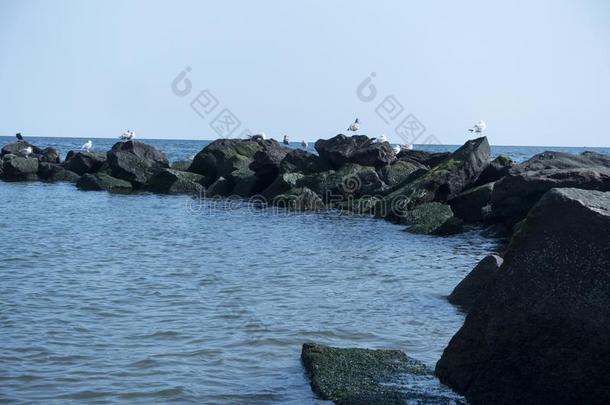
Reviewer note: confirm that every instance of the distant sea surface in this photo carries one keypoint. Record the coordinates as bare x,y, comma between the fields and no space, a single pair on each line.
154,299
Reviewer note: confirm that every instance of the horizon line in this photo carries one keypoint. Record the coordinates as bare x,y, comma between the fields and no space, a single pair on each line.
211,140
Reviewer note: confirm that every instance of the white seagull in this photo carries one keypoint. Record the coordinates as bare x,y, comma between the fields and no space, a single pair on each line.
396,149
354,127
259,137
26,151
381,139
87,146
479,127
128,135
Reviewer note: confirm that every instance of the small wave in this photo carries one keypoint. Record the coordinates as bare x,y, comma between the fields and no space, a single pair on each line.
168,392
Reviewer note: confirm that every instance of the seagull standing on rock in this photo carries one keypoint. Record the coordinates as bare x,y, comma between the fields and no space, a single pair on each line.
87,146
25,152
127,135
381,139
354,127
479,127
18,136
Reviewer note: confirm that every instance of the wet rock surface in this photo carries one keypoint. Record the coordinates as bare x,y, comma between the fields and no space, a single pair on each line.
469,289
364,376
540,330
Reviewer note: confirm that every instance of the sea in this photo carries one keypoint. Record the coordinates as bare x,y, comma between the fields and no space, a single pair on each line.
143,298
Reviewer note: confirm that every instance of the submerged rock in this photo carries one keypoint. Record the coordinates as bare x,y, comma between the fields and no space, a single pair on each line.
469,289
102,181
84,162
364,376
176,182
540,332
433,219
358,149
135,162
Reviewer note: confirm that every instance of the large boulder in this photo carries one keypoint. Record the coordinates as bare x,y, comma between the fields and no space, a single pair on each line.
301,161
81,162
171,181
400,171
103,181
281,184
473,205
55,172
540,331
441,183
517,192
469,289
364,376
266,165
432,219
18,168
135,162
15,147
221,187
358,149
225,156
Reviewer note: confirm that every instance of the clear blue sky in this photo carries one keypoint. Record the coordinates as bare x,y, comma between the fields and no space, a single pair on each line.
537,72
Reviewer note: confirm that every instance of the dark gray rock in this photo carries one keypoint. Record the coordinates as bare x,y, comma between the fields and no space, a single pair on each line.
514,195
358,149
169,181
299,199
540,331
225,156
429,159
15,147
18,168
497,168
281,184
441,183
48,155
84,162
433,219
53,172
135,162
469,289
363,376
102,181
472,205
301,161
219,188
245,182
560,160
266,165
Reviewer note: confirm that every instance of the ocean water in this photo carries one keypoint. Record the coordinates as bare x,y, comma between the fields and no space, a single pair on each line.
165,299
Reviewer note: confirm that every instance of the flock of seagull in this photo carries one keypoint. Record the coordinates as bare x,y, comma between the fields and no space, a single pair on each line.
129,135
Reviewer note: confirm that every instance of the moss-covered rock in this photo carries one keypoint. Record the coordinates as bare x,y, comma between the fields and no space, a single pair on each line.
81,162
18,168
364,376
103,181
473,204
172,181
399,171
433,219
53,172
299,199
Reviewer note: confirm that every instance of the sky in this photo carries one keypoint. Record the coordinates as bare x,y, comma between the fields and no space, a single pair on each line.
538,73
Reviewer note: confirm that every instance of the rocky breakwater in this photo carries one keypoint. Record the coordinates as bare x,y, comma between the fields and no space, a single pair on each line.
538,330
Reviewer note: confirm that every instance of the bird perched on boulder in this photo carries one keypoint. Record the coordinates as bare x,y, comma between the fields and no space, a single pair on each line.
18,136
479,127
87,146
128,135
25,152
354,127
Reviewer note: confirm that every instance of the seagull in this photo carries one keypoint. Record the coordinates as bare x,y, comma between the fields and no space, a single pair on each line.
381,139
479,127
286,141
128,135
354,127
396,149
87,146
259,137
304,144
25,152
18,136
